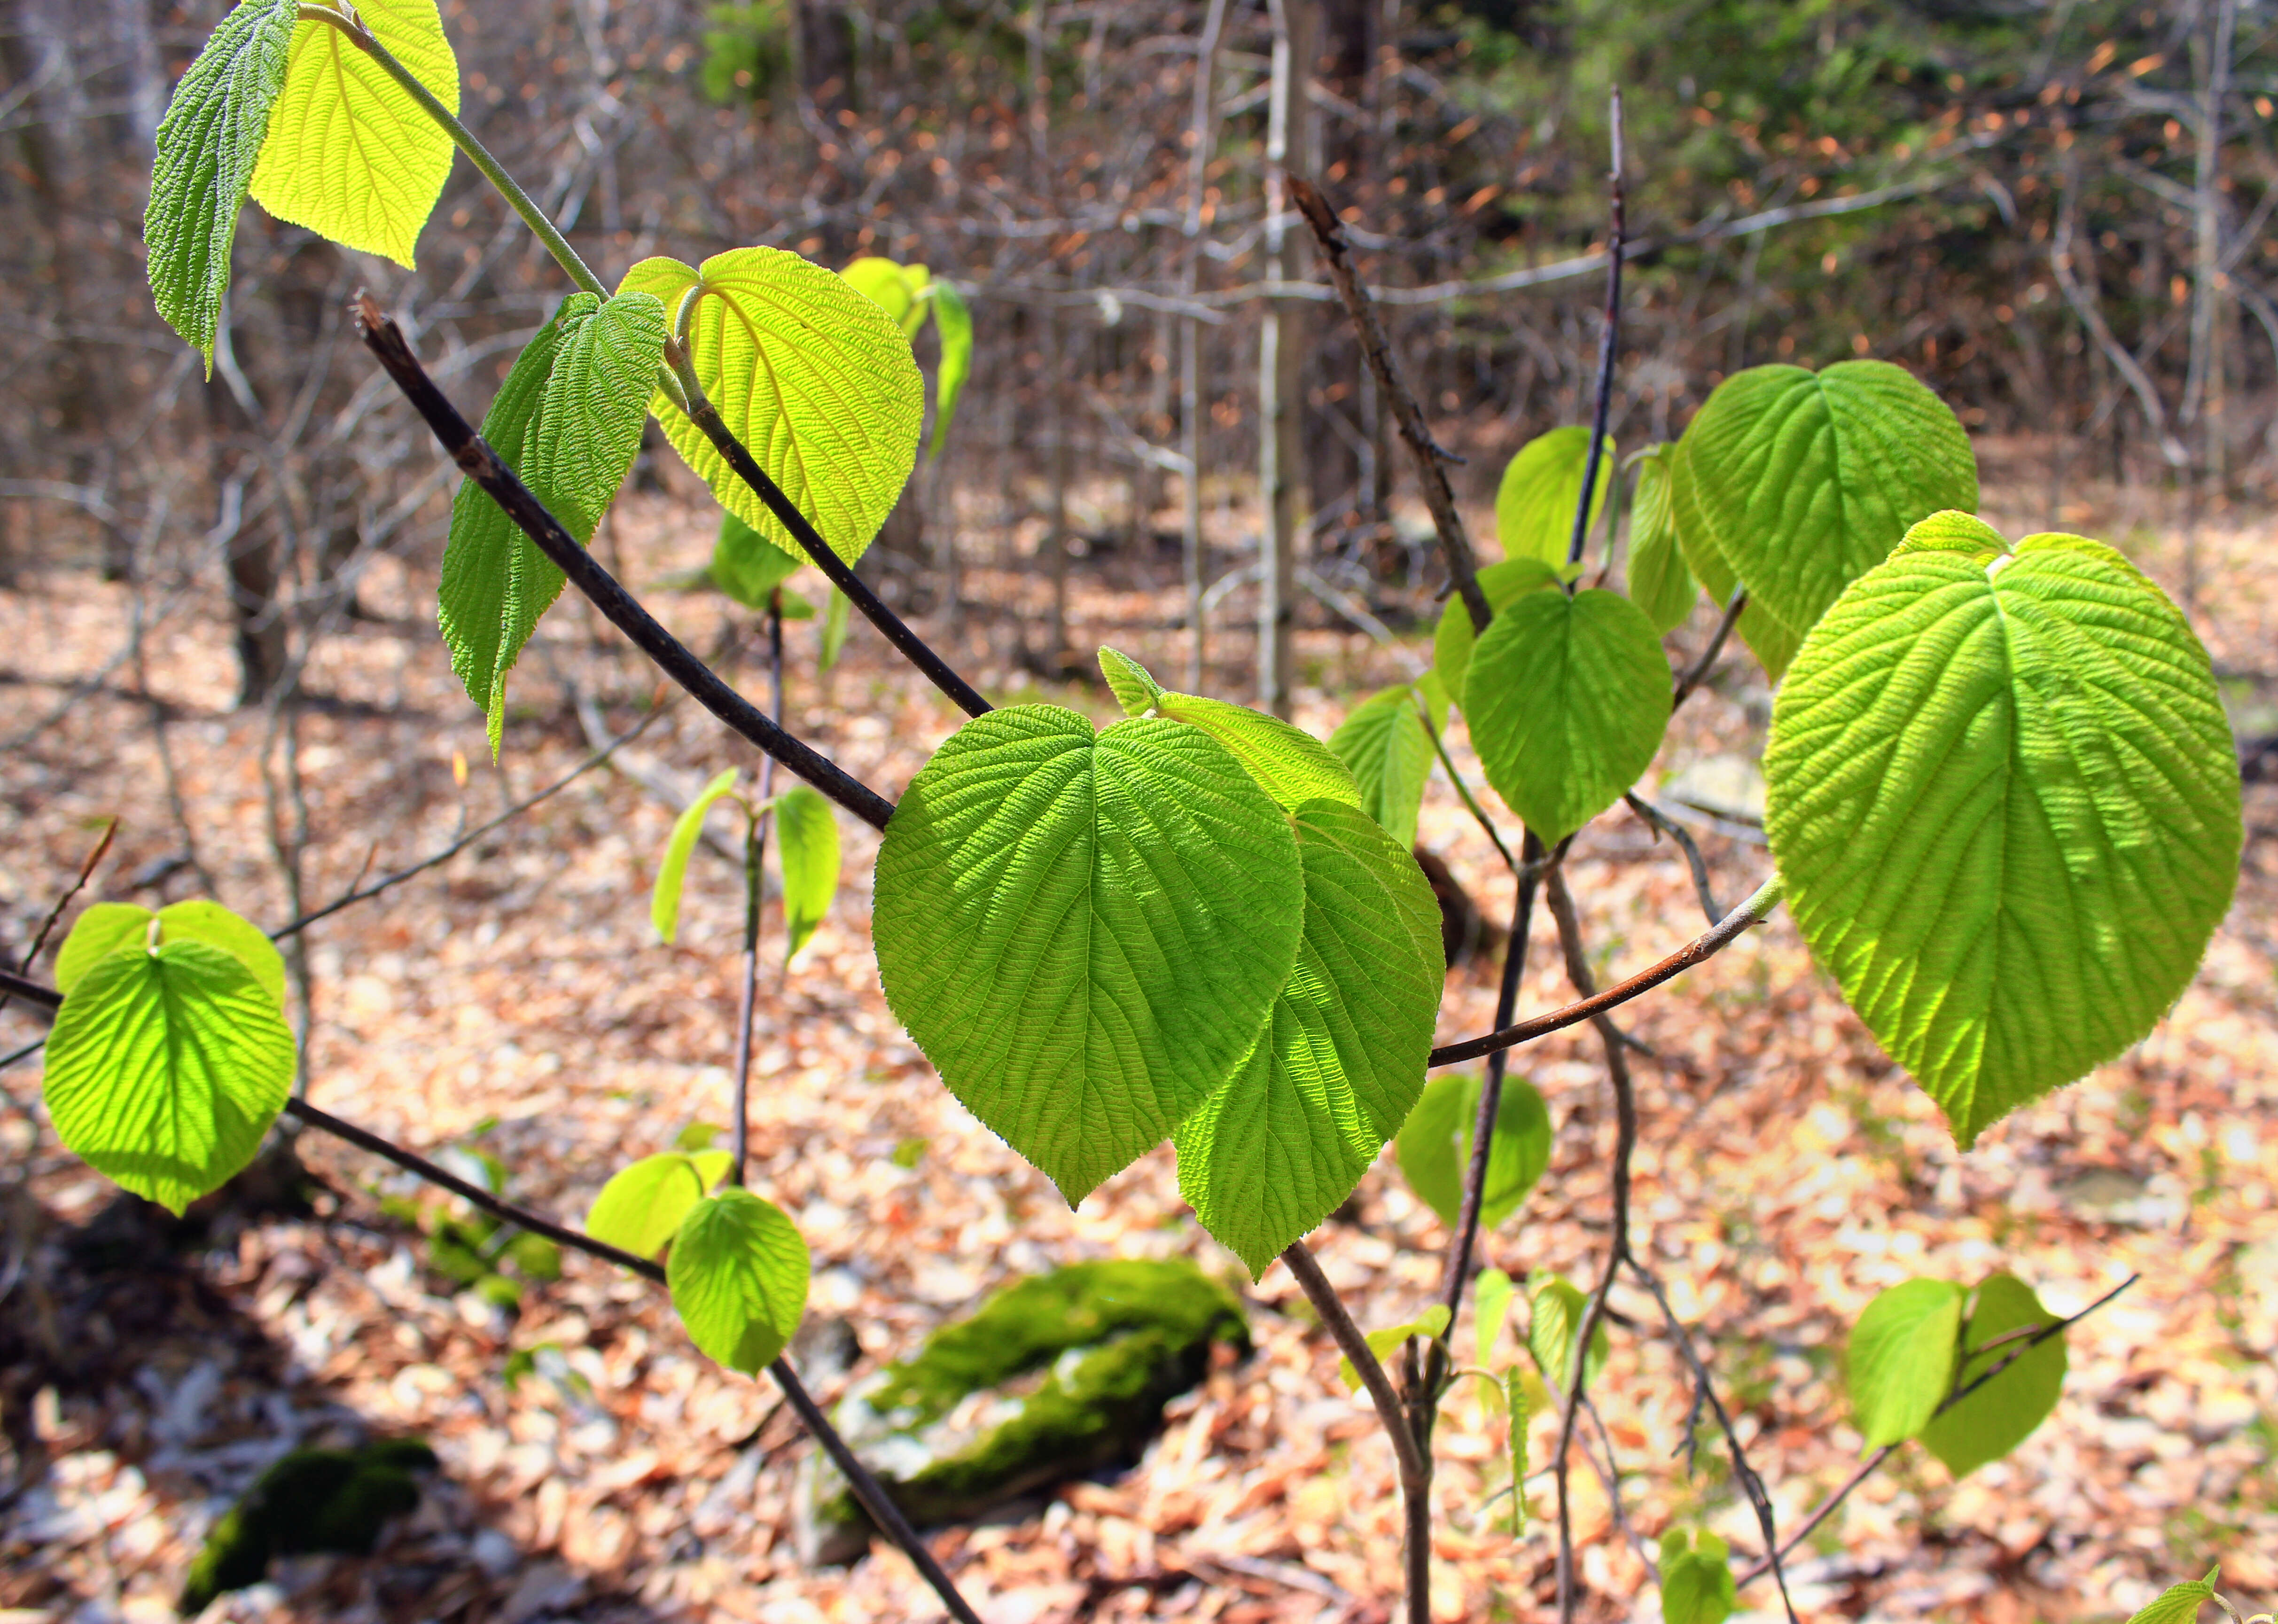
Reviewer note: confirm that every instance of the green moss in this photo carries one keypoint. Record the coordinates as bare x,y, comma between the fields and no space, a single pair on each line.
312,1500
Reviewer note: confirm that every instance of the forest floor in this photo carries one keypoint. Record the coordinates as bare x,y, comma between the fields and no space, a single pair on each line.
515,999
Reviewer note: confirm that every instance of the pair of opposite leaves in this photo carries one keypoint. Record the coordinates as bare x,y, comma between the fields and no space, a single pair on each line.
1181,926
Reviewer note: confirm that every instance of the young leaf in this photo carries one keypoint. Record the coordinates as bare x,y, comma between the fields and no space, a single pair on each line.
1436,1148
1283,1141
953,324
739,1275
1696,1578
1772,641
1515,1396
596,402
2002,790
1568,699
640,1209
808,838
672,874
1085,932
1288,763
1998,1416
1553,1329
1901,1359
2179,1604
881,282
1542,486
208,144
1134,688
835,614
107,927
1808,480
1384,743
1505,584
1491,1296
1658,580
350,155
1430,1323
812,377
745,565
165,1069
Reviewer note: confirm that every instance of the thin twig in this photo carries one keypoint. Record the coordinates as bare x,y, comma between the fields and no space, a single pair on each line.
755,842
484,467
1430,460
361,892
1662,825
1698,671
1415,1471
1609,339
86,870
1707,946
1463,790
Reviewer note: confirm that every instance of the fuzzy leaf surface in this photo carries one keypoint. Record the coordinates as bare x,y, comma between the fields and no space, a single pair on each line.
2002,789
1281,1144
1542,486
2179,1604
1567,698
739,1275
106,927
1287,762
165,1070
1384,743
810,374
1901,1359
1658,580
1808,479
349,154
1453,639
2001,1414
1085,932
1770,639
1134,686
209,144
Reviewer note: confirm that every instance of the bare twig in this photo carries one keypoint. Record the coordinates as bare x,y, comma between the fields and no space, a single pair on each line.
1707,946
755,841
1430,471
86,872
1609,339
483,466
1698,671
1662,825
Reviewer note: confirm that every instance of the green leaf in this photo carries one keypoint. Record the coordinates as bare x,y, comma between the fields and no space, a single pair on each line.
1696,1578
739,1274
745,565
808,838
1568,699
165,1069
1281,1144
835,621
2000,1416
207,145
1773,642
1491,1296
2003,793
1542,486
1658,580
2179,1603
1134,686
1505,584
953,324
1430,1323
1385,744
885,284
1556,1325
596,402
640,1209
1808,480
350,155
672,874
1085,932
1436,1148
1514,1384
1287,762
812,377
1901,1359
105,928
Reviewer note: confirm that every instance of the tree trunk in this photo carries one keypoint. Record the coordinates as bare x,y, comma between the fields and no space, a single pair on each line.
1281,361
257,612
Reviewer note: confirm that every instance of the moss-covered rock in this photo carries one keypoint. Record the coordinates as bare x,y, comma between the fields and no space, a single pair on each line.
312,1500
1058,1376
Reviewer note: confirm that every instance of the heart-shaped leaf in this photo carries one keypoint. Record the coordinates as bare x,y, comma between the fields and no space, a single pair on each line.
1085,932
1990,1422
1436,1148
2002,790
1541,488
1281,1144
1901,1359
739,1275
1505,584
642,1205
1770,639
1386,745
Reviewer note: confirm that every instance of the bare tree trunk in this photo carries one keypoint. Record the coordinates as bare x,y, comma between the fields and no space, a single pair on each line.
826,55
1200,137
1280,362
256,607
1056,543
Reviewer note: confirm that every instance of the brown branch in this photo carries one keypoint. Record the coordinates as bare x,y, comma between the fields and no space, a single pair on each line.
86,870
1609,339
1415,1469
1430,460
484,467
1661,823
1707,946
1698,671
